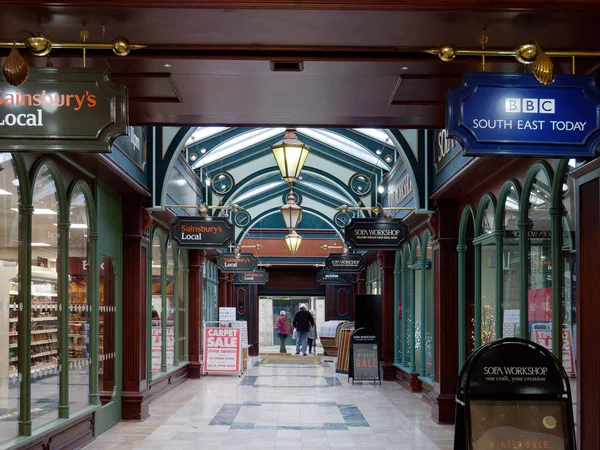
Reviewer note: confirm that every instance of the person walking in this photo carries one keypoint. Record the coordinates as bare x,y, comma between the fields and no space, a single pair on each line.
312,335
302,322
282,331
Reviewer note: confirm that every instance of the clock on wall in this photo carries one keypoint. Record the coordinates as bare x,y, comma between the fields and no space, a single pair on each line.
360,184
242,218
222,183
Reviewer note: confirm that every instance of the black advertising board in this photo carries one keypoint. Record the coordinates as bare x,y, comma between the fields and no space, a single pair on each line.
342,263
376,234
259,276
326,277
232,263
65,110
202,232
513,393
364,356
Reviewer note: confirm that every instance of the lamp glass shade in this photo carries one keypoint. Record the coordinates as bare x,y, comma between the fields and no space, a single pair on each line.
290,155
291,212
293,241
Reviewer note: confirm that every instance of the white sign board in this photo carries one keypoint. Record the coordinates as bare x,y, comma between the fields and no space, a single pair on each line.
226,314
511,316
222,350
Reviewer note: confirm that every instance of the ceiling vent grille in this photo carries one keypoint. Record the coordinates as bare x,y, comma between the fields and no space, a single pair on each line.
287,66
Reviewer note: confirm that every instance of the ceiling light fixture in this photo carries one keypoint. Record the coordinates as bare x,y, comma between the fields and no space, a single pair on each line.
293,241
290,154
380,189
291,212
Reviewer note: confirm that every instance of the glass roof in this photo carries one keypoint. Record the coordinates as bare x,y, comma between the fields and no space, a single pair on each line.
324,190
204,133
237,144
256,191
375,133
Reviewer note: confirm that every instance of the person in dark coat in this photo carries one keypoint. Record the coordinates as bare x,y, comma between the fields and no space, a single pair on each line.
303,320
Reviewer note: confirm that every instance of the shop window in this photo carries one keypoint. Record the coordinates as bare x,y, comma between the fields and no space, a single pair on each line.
182,303
428,311
169,318
408,319
486,318
511,265
106,331
156,302
79,307
9,298
569,279
417,305
45,325
539,270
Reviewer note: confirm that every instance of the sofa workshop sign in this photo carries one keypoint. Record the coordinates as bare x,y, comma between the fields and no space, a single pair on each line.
376,234
66,110
342,263
259,276
242,262
325,277
509,114
202,232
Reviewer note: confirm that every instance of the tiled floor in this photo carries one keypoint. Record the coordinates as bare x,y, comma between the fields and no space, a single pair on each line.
282,406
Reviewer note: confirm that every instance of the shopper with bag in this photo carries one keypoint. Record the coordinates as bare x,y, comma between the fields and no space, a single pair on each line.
312,336
303,320
282,331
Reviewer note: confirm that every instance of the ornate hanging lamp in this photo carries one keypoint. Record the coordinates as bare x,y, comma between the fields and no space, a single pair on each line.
293,241
291,212
290,154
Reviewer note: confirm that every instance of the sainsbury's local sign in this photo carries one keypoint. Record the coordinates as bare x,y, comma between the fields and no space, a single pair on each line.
66,110
203,232
507,114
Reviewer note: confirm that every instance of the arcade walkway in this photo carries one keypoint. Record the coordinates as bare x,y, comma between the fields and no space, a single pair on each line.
282,406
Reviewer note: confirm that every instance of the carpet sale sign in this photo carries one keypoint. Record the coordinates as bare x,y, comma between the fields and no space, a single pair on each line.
222,350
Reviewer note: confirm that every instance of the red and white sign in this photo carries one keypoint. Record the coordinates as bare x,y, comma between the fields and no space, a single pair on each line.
544,338
222,350
157,347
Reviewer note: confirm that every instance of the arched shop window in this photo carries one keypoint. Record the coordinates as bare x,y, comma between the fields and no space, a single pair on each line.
538,243
10,198
210,298
428,303
45,325
398,306
156,304
407,318
416,306
485,263
508,215
374,279
168,319
79,304
466,333
182,302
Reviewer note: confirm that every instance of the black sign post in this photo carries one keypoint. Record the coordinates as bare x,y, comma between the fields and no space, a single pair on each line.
326,277
63,110
232,263
513,393
259,276
203,232
342,263
364,356
376,234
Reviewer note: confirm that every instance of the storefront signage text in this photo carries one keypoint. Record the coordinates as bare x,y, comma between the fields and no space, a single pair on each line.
326,277
259,276
513,114
242,262
202,232
400,191
66,110
222,350
376,234
339,262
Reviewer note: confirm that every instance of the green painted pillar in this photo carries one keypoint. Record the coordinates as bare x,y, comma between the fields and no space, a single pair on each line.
477,314
524,226
422,369
397,281
404,321
148,301
413,366
462,251
165,312
24,362
176,288
186,297
556,215
499,319
93,279
63,318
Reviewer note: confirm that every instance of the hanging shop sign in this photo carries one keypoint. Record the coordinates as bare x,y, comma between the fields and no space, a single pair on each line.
203,232
243,262
364,356
342,263
325,277
222,350
510,114
513,393
376,234
66,110
259,276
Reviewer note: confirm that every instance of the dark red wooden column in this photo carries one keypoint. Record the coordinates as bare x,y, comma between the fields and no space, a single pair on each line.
230,300
387,261
445,263
223,289
587,181
361,280
195,265
136,220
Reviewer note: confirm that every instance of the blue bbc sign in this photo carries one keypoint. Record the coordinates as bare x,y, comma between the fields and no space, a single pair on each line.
505,114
